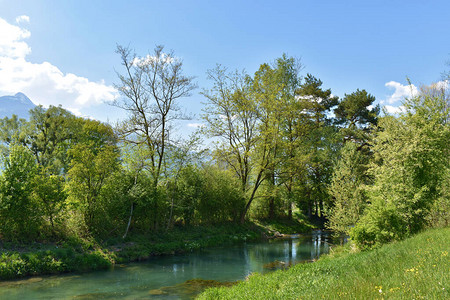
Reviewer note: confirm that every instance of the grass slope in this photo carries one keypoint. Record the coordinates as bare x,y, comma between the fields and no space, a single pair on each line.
417,268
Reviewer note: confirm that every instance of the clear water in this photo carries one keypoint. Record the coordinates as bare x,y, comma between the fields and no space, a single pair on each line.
165,277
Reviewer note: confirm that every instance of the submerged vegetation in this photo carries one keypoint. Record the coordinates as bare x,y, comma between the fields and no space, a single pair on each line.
286,152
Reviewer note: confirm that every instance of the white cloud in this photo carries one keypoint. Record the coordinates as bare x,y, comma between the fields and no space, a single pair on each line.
23,19
44,83
441,85
196,125
401,91
11,44
151,59
393,109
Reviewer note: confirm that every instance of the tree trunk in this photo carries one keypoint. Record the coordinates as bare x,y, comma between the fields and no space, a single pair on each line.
272,208
272,198
290,210
170,215
321,209
129,220
259,179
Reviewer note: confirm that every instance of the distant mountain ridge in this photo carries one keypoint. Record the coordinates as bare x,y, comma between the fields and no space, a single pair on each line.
19,104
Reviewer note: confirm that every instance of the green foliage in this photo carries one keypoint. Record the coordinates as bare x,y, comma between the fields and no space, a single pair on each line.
319,143
347,189
223,200
381,224
207,195
15,265
412,156
188,193
231,116
316,100
354,109
11,132
49,195
90,168
185,239
287,226
36,180
273,131
440,211
19,214
50,133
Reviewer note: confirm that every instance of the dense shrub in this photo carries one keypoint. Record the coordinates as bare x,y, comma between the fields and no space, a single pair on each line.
19,213
410,171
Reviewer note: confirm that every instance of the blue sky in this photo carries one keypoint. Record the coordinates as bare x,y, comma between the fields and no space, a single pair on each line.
63,51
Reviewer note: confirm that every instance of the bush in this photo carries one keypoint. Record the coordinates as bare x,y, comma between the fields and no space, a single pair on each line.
19,214
381,224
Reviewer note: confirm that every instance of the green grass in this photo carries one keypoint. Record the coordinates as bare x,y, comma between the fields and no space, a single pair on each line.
286,226
416,268
15,265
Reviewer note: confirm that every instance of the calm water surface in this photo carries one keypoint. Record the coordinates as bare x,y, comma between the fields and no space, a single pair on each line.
165,277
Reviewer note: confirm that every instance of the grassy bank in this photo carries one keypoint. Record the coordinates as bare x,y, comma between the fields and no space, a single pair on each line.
417,268
286,226
18,261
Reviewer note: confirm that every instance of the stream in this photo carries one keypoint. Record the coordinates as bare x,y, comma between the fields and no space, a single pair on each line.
178,276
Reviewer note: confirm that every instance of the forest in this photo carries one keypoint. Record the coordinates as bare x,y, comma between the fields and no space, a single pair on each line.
284,147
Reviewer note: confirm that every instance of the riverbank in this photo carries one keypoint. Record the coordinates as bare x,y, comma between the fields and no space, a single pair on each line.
19,261
416,268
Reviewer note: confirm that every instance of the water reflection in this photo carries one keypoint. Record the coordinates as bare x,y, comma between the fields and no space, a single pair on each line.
166,277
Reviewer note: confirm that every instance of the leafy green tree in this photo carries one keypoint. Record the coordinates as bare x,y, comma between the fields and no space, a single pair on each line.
356,120
11,131
355,114
246,114
222,199
316,103
95,133
90,168
274,88
412,157
347,189
19,214
231,117
189,192
185,154
267,92
51,132
134,160
49,194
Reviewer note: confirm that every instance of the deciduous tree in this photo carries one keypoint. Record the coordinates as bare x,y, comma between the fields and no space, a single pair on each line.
151,87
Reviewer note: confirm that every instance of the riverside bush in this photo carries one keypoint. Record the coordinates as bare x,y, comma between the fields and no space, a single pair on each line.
16,265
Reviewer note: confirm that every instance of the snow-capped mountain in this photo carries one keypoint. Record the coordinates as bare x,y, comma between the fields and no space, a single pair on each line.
18,104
